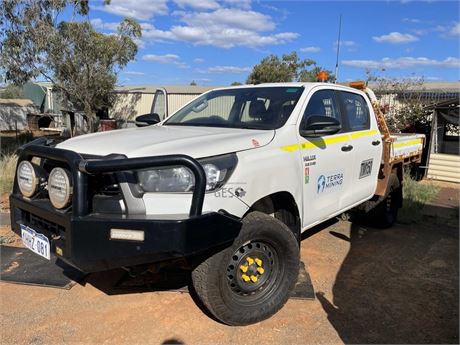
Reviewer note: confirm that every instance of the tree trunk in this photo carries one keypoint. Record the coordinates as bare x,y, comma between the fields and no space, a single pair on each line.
91,119
93,122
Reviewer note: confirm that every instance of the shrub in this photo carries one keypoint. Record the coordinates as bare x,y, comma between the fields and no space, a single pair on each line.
8,169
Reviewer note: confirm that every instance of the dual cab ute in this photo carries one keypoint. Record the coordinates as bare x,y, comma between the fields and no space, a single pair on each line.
225,186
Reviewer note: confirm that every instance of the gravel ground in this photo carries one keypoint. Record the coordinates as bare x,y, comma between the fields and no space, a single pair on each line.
372,286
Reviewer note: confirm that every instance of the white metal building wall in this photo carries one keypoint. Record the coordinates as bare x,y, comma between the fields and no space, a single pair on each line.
129,105
176,101
444,167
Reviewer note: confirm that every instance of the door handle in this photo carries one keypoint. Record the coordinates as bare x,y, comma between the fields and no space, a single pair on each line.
376,142
347,148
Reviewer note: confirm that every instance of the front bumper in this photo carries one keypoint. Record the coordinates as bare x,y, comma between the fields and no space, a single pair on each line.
85,242
82,239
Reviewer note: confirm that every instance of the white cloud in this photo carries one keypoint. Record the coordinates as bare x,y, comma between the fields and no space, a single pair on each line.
198,4
455,30
411,20
310,49
224,28
167,58
245,4
99,24
432,78
346,43
134,73
139,9
198,60
403,62
152,33
395,38
230,18
229,38
228,69
426,30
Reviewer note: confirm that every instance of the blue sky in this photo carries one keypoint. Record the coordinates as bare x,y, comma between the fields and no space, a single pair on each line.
216,42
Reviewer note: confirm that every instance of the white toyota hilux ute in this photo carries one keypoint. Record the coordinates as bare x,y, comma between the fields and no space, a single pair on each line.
223,187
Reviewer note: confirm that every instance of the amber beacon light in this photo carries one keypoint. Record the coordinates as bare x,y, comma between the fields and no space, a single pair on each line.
322,76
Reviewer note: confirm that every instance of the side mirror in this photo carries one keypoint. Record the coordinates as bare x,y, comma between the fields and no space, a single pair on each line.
147,120
319,125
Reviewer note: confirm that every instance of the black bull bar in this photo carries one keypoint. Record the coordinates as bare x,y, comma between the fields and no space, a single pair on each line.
87,244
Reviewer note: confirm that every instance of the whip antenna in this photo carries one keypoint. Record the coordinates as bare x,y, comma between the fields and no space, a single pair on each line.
338,51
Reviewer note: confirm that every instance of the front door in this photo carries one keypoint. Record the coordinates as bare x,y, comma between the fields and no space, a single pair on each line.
326,162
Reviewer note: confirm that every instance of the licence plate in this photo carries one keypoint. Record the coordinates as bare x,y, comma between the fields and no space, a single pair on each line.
36,242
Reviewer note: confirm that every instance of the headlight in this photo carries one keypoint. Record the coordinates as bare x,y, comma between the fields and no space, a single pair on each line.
59,188
27,179
166,180
181,179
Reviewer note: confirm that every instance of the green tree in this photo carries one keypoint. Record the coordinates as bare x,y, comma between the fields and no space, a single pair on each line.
235,83
287,68
82,63
193,83
11,92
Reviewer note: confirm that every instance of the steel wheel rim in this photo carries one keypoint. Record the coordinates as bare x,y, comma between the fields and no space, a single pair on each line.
247,261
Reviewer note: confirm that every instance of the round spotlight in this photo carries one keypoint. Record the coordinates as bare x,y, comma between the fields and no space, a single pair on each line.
27,179
59,187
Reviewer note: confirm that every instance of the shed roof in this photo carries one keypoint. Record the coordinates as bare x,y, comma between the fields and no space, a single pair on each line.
16,102
442,86
177,89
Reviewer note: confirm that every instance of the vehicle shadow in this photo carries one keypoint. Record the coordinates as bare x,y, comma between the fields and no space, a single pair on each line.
118,282
398,285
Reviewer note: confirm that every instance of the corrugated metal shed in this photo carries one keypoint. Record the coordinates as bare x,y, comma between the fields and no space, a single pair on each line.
43,96
13,113
172,89
444,155
134,100
444,167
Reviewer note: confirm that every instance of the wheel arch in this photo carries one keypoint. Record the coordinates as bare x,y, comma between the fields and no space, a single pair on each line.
283,207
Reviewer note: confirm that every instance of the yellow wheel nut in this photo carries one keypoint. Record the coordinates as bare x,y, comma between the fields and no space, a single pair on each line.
260,270
254,279
258,262
250,260
245,277
244,268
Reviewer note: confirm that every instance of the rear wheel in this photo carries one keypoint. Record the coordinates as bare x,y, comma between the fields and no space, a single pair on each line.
386,213
250,281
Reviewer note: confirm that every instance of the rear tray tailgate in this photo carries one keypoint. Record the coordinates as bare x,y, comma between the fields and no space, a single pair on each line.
406,145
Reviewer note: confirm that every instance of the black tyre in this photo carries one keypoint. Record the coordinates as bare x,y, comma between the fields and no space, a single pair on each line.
386,213
250,281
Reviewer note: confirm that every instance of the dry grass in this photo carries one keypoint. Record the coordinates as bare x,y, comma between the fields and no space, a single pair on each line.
8,169
416,195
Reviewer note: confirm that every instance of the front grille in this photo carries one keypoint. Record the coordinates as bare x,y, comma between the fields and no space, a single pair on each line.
40,223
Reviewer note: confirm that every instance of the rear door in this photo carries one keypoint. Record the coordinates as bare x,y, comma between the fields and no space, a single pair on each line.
367,146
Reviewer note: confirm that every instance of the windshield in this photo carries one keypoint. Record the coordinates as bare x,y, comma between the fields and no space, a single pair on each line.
253,108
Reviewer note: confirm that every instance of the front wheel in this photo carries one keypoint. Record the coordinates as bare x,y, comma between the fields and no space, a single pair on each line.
251,280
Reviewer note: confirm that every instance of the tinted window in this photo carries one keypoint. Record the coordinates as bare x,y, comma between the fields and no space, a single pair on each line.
356,110
322,103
